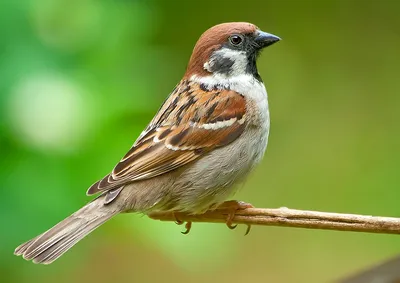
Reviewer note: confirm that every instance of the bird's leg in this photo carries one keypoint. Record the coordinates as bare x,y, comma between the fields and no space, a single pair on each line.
232,206
188,224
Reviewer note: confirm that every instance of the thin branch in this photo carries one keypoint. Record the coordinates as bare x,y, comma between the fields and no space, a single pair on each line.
293,218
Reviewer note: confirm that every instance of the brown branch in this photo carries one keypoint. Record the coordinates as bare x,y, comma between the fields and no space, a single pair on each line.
294,218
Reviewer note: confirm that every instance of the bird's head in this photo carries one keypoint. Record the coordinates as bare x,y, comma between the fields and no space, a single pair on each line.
229,49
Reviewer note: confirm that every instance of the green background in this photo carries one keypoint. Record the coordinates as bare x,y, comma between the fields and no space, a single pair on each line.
80,79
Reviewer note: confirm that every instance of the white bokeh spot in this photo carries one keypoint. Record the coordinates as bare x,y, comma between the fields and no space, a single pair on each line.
47,112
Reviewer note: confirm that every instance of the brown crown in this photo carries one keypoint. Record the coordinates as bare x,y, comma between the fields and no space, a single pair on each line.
211,40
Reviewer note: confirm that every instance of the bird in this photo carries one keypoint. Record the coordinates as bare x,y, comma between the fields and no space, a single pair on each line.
205,139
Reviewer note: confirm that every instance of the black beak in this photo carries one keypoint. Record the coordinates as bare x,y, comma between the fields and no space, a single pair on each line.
264,39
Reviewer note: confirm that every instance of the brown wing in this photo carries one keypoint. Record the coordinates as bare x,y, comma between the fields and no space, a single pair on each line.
191,122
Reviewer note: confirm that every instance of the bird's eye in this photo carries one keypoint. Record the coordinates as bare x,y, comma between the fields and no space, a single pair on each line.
236,39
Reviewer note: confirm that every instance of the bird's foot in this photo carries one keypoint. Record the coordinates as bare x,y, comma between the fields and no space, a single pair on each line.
231,207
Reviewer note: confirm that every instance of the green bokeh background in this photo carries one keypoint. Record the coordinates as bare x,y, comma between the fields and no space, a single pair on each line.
80,79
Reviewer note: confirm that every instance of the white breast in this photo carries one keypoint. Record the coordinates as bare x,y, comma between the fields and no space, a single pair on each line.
257,111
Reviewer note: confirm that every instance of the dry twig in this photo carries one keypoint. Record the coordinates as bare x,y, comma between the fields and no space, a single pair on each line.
294,218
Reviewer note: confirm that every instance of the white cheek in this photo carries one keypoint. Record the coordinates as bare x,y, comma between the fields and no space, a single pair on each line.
238,58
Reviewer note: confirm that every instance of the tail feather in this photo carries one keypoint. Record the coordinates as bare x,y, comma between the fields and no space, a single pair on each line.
20,250
53,243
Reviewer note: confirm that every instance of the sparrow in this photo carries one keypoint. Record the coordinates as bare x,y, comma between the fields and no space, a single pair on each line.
205,139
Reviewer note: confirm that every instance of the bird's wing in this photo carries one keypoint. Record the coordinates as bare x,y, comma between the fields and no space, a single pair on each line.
192,121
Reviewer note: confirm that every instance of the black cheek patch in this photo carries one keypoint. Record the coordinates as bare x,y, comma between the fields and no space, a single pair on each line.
222,65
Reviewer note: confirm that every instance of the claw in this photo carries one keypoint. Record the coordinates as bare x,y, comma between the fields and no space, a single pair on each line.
230,226
248,229
188,226
177,221
231,215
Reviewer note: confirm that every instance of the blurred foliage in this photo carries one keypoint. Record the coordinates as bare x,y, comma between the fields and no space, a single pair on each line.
80,79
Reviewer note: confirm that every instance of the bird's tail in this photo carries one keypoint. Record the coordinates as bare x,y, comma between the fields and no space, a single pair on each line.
53,243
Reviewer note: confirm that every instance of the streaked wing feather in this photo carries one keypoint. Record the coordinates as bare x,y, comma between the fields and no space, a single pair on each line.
191,122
